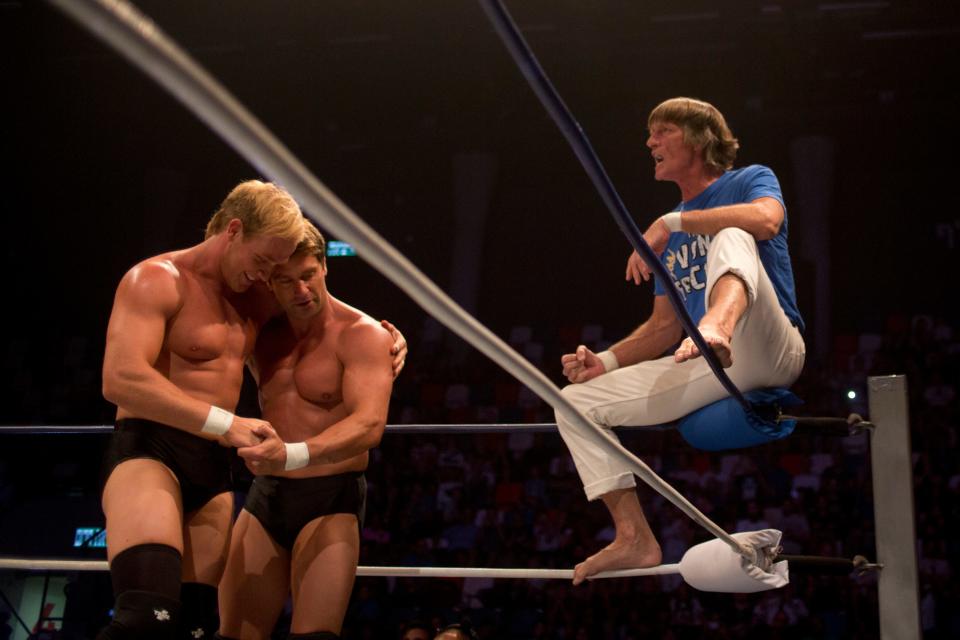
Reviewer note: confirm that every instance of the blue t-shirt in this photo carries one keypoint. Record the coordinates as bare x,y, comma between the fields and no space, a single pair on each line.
686,255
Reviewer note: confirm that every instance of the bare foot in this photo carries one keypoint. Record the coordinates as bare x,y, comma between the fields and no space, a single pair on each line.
718,342
618,555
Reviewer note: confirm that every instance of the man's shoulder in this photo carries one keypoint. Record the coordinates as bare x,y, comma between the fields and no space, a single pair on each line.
161,266
750,171
170,266
155,279
359,330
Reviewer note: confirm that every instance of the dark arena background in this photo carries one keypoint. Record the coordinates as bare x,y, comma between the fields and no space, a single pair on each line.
413,113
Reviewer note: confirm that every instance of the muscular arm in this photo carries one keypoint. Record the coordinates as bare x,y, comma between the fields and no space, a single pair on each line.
760,218
652,338
367,383
146,299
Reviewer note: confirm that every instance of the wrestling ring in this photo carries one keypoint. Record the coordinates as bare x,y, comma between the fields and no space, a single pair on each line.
895,566
736,563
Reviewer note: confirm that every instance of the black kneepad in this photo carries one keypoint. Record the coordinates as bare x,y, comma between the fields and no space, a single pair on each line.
316,635
142,615
147,567
198,611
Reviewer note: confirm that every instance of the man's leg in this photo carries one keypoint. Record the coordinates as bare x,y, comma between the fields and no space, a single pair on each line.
650,393
323,570
255,582
206,540
634,545
733,280
141,502
744,315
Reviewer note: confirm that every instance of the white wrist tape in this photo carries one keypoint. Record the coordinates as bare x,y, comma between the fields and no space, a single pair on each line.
609,360
298,456
218,421
672,220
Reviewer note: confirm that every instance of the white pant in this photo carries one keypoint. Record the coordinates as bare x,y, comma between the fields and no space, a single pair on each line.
767,352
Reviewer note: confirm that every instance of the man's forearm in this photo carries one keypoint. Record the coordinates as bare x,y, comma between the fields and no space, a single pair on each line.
151,396
646,342
345,439
762,221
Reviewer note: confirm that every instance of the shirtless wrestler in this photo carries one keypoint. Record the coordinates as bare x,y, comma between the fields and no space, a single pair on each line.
324,375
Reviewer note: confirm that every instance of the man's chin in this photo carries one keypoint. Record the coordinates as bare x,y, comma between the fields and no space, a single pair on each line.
303,310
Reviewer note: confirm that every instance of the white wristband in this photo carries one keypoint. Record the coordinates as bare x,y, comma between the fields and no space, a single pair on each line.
218,421
672,220
609,360
298,456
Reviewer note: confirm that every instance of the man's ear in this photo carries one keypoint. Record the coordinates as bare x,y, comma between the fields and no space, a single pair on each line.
235,229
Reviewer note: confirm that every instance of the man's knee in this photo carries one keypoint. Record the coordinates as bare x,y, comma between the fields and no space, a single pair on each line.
734,235
577,394
146,583
142,615
573,394
316,635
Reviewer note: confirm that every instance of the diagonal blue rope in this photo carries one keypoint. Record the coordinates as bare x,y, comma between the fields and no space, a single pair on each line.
507,29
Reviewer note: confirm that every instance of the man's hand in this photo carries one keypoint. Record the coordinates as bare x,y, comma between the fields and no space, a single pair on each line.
582,366
246,432
656,236
266,457
399,348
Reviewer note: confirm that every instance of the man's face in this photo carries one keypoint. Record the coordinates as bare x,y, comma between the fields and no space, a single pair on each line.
673,159
249,259
416,634
300,286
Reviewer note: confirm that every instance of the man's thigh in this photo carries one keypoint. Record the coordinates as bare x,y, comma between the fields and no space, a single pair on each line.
255,582
324,566
142,505
206,538
646,394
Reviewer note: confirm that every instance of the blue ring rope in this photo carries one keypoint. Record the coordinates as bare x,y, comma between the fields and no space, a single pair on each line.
520,51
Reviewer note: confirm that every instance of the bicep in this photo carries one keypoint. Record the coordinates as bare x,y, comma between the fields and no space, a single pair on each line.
135,333
368,376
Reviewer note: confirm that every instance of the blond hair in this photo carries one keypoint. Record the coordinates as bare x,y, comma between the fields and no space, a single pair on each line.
264,209
703,126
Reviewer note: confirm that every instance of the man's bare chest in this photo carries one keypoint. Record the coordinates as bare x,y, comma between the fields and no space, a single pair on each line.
208,327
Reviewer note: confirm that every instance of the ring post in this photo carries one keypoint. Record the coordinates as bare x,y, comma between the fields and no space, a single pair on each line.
891,461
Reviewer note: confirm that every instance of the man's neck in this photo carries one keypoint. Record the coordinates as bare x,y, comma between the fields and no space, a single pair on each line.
697,183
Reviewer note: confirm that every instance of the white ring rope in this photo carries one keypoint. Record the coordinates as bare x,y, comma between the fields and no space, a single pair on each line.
137,38
41,564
